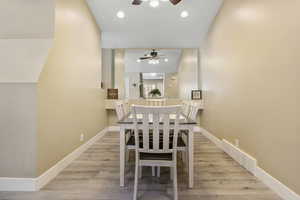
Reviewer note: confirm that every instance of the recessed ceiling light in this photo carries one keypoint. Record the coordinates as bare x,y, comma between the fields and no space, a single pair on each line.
184,14
166,60
138,60
120,14
154,3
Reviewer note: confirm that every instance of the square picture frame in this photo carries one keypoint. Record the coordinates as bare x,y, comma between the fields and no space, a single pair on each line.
112,93
196,94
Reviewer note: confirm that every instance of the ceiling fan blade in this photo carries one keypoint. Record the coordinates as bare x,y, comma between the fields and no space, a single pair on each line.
175,2
137,2
145,58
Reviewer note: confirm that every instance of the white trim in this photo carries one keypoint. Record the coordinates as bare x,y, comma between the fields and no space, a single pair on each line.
212,138
240,156
197,129
17,184
250,164
282,190
35,184
114,129
51,173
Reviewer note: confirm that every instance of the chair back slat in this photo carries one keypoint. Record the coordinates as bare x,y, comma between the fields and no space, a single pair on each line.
186,108
156,126
119,106
166,131
126,107
145,129
194,111
155,129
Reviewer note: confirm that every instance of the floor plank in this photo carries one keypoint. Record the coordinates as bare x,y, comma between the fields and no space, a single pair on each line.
95,176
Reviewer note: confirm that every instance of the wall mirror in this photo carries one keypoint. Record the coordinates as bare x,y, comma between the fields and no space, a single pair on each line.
151,73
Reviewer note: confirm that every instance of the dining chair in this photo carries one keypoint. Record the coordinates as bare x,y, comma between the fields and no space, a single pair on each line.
121,111
190,110
181,147
157,146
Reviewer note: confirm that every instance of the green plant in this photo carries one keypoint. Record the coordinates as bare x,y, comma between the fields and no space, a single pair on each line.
155,93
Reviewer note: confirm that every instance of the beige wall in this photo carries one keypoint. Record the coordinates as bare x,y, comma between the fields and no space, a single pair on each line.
171,85
18,130
107,64
120,72
250,72
69,99
188,73
25,40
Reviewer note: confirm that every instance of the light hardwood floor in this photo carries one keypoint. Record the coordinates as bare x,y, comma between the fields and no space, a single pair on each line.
95,176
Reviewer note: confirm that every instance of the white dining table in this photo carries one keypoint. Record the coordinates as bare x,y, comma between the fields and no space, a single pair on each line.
184,124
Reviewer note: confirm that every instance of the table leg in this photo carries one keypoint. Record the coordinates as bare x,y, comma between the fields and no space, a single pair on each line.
122,156
191,157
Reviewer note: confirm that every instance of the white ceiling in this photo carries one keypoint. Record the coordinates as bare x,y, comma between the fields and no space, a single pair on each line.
146,27
131,64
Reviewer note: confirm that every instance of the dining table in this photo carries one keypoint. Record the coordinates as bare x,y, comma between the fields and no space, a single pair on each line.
185,124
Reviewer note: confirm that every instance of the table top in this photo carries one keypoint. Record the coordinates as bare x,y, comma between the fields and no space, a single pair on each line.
183,120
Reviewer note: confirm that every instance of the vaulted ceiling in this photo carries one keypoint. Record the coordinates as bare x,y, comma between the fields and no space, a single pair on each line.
160,27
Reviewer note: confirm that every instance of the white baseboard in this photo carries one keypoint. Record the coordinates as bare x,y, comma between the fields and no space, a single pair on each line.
197,129
282,190
50,174
17,184
240,156
250,164
212,138
114,129
35,184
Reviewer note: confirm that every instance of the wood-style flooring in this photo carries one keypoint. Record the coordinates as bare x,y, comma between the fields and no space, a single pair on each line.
95,176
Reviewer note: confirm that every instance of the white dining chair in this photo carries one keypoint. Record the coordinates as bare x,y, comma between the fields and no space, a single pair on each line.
157,146
121,111
190,109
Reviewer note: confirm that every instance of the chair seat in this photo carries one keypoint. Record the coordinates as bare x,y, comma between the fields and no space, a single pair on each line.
156,156
180,143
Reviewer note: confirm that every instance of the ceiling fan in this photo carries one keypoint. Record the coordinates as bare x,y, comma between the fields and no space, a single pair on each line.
153,55
139,2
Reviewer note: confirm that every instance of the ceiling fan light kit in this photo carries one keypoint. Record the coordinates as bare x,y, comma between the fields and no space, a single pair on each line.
154,3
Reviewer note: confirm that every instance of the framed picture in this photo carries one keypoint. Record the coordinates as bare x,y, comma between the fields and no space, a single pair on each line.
196,94
112,93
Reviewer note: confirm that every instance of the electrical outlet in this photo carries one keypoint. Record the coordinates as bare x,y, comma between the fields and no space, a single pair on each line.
81,137
237,142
